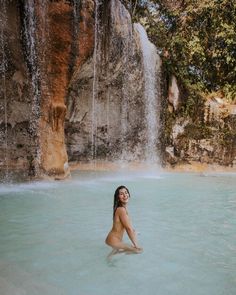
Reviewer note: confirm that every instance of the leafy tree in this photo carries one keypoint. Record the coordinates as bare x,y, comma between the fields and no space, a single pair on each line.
196,38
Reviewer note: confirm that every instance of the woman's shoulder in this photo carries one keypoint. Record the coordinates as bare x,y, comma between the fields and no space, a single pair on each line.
121,210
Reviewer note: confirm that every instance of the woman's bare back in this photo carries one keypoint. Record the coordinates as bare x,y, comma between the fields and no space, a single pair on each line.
115,236
117,231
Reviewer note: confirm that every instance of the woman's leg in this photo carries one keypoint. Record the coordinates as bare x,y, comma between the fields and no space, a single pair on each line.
113,252
120,247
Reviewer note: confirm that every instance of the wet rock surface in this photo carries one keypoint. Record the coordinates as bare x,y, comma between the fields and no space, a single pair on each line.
105,102
72,88
211,140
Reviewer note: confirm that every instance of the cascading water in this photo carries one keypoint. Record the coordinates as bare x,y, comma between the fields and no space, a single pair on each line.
151,64
75,32
114,128
43,28
96,59
30,38
124,19
3,67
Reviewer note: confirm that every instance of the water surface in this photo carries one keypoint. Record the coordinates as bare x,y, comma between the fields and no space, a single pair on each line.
52,235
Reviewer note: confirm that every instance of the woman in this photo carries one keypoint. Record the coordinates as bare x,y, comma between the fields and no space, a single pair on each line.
121,223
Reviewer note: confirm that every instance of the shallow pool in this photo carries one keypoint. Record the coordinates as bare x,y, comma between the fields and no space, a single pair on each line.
52,235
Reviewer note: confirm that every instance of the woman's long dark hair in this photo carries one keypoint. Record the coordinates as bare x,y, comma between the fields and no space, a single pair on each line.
117,202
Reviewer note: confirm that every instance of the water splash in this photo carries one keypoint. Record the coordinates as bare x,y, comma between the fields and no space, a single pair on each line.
151,64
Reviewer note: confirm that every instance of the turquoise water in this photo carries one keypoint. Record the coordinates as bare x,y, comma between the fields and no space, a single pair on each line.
52,235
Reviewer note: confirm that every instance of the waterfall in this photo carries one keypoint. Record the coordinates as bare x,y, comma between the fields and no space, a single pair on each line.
30,36
43,28
122,26
96,59
75,32
29,22
76,16
3,67
151,65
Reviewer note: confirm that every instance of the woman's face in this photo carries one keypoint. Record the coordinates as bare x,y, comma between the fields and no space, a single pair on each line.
123,196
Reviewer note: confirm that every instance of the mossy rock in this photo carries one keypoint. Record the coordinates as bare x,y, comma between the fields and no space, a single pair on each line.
198,132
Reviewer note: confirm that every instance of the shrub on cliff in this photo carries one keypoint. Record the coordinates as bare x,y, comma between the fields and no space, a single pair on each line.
196,38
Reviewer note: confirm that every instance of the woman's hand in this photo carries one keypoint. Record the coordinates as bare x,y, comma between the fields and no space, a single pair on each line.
139,249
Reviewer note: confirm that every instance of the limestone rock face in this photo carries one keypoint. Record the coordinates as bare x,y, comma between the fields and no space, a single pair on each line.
54,60
39,45
69,43
72,88
211,141
105,101
173,93
78,61
17,143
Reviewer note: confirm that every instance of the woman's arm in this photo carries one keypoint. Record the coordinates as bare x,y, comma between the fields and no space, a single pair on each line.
124,218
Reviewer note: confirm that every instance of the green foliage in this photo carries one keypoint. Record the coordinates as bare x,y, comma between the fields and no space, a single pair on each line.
197,40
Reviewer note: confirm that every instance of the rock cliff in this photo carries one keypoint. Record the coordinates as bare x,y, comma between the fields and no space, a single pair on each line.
207,137
40,42
105,118
74,87
79,62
